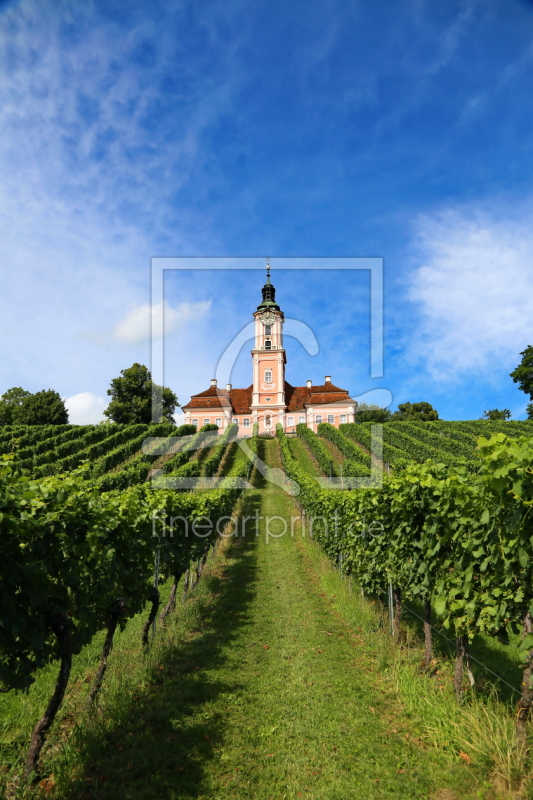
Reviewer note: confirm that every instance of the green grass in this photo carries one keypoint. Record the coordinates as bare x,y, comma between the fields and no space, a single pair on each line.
273,681
303,456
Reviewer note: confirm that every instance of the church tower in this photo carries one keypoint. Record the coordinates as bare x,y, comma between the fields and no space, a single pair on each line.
270,398
269,359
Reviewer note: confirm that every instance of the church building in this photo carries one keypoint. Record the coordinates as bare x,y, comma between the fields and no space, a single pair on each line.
270,398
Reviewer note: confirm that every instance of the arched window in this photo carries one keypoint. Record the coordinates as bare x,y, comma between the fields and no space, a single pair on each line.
268,376
268,344
195,422
331,419
268,421
268,330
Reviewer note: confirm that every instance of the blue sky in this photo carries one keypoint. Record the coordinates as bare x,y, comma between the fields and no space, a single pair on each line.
393,129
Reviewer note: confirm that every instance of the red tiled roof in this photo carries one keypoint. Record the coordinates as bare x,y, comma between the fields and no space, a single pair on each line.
241,400
296,397
337,397
238,399
211,398
326,387
211,392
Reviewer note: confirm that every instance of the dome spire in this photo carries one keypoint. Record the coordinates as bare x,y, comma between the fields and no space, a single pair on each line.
269,293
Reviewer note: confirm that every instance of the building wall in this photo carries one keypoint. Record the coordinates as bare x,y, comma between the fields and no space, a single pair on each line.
334,414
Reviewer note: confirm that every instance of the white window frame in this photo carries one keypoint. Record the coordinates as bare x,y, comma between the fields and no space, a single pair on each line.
207,421
342,419
268,376
290,420
268,421
195,422
318,419
301,420
331,419
218,422
235,420
246,422
268,344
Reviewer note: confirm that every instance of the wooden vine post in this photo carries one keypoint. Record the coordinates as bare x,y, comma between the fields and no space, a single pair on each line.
526,700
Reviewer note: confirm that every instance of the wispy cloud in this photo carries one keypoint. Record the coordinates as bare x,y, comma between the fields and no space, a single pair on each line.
474,287
136,325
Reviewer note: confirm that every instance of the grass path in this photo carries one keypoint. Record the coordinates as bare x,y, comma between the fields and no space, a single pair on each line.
302,454
269,694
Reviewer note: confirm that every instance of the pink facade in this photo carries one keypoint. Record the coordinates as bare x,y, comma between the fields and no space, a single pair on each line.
270,398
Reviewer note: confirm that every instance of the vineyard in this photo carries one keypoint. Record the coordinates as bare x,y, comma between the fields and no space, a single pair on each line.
94,539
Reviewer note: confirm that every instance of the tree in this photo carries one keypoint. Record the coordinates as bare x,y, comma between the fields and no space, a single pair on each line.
132,398
41,408
370,412
10,402
529,409
523,374
497,414
416,411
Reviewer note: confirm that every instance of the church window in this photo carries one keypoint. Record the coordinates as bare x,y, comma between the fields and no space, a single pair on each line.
246,423
301,420
343,418
331,419
318,419
268,330
218,422
268,421
268,376
268,345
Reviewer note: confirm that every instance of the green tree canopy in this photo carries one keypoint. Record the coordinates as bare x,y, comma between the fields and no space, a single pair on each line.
496,413
416,411
10,402
41,408
132,398
523,374
369,412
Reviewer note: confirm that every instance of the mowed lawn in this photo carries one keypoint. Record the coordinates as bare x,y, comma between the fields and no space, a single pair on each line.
269,694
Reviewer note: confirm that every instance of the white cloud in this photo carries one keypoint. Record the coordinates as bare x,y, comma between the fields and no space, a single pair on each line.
474,283
85,408
89,179
135,327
